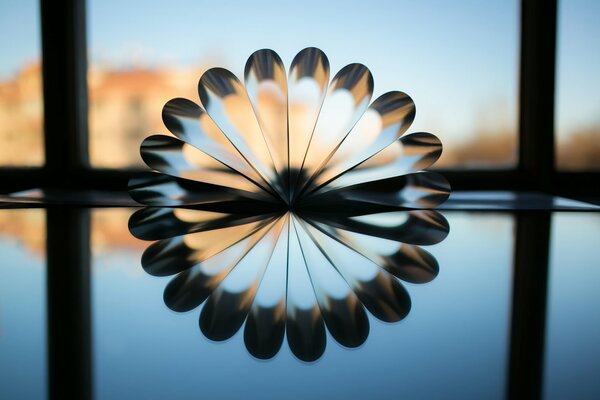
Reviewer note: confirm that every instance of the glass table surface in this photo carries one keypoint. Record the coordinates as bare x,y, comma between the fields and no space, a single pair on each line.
510,296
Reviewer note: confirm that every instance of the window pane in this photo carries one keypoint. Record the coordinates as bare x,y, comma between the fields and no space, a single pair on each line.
578,85
21,105
458,60
22,304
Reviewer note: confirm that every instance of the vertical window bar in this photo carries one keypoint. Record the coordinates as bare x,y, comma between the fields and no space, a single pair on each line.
536,122
64,61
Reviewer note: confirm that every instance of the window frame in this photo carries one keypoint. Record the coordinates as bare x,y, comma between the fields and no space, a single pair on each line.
64,56
64,61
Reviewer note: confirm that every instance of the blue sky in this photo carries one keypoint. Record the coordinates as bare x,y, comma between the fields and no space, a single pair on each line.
578,65
434,51
458,60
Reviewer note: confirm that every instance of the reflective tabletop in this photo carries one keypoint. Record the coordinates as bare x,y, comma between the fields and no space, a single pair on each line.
469,302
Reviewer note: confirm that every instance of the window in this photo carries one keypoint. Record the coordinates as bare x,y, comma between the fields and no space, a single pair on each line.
578,86
480,75
21,106
458,60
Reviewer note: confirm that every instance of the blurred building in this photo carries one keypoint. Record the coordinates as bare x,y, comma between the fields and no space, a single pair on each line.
125,106
21,123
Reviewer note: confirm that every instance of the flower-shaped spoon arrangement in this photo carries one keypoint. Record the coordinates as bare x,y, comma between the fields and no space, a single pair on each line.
293,204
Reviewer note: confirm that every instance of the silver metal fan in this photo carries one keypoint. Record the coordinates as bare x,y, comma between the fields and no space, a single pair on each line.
295,204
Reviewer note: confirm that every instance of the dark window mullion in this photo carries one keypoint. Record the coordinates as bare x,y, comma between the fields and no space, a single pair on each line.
64,61
536,120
